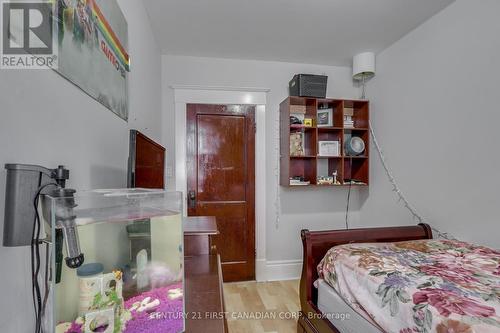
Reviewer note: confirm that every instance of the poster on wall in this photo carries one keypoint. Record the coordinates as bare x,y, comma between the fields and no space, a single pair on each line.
93,50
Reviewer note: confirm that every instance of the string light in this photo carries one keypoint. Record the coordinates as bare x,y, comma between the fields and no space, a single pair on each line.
401,197
395,188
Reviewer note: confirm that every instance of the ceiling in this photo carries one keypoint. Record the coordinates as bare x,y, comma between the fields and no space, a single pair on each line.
310,31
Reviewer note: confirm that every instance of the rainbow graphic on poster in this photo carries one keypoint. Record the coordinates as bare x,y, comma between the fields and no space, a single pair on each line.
93,43
109,36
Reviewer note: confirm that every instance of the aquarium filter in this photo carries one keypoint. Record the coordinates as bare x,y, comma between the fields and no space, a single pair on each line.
25,183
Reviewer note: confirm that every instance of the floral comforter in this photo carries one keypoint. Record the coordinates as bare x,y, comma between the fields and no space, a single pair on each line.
419,286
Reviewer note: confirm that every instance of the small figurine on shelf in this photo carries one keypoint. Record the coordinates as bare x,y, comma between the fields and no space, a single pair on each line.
323,180
335,180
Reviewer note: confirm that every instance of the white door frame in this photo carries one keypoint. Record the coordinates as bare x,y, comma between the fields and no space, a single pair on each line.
227,95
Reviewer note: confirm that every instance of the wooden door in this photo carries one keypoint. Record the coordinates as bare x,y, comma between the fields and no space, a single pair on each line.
221,180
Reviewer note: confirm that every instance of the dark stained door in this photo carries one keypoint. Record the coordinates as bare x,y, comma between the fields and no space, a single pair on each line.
221,180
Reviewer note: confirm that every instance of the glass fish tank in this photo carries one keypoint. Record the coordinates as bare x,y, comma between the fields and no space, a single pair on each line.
117,261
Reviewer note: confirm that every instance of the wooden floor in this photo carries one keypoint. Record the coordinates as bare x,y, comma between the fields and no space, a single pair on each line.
251,306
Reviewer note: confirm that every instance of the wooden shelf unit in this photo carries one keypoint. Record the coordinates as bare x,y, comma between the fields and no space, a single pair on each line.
311,165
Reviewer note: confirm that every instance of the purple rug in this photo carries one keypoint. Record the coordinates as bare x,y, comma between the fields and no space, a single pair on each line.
165,318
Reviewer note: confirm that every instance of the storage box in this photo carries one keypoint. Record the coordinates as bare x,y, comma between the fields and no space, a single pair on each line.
308,85
298,109
348,111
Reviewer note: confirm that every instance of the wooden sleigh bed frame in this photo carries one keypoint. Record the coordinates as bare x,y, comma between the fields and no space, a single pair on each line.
317,243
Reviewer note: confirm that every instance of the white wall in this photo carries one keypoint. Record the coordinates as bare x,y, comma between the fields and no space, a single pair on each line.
435,109
46,120
300,208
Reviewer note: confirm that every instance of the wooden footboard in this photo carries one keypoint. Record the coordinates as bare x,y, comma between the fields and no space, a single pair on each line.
317,243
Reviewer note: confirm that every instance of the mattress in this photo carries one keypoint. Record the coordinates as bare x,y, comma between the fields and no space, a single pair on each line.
339,313
430,286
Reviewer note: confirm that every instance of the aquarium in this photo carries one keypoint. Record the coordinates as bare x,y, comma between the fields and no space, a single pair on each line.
117,261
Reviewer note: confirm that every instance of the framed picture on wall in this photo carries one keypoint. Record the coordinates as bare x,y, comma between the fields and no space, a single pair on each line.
329,148
325,118
297,144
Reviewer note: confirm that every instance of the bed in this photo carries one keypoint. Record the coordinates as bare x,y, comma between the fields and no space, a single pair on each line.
341,314
397,280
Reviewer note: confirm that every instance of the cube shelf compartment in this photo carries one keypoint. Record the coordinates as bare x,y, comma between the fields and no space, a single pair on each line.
311,165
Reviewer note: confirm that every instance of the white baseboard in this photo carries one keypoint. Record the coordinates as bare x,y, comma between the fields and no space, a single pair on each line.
260,270
278,270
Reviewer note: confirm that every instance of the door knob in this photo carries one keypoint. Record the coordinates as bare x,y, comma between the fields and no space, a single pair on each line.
192,199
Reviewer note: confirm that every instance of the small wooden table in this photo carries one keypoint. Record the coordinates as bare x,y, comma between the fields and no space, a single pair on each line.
204,299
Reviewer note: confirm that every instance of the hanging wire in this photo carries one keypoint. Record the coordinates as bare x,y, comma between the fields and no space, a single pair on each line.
38,301
401,197
348,203
395,188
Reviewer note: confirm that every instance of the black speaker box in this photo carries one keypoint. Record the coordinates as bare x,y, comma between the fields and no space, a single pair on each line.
308,85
